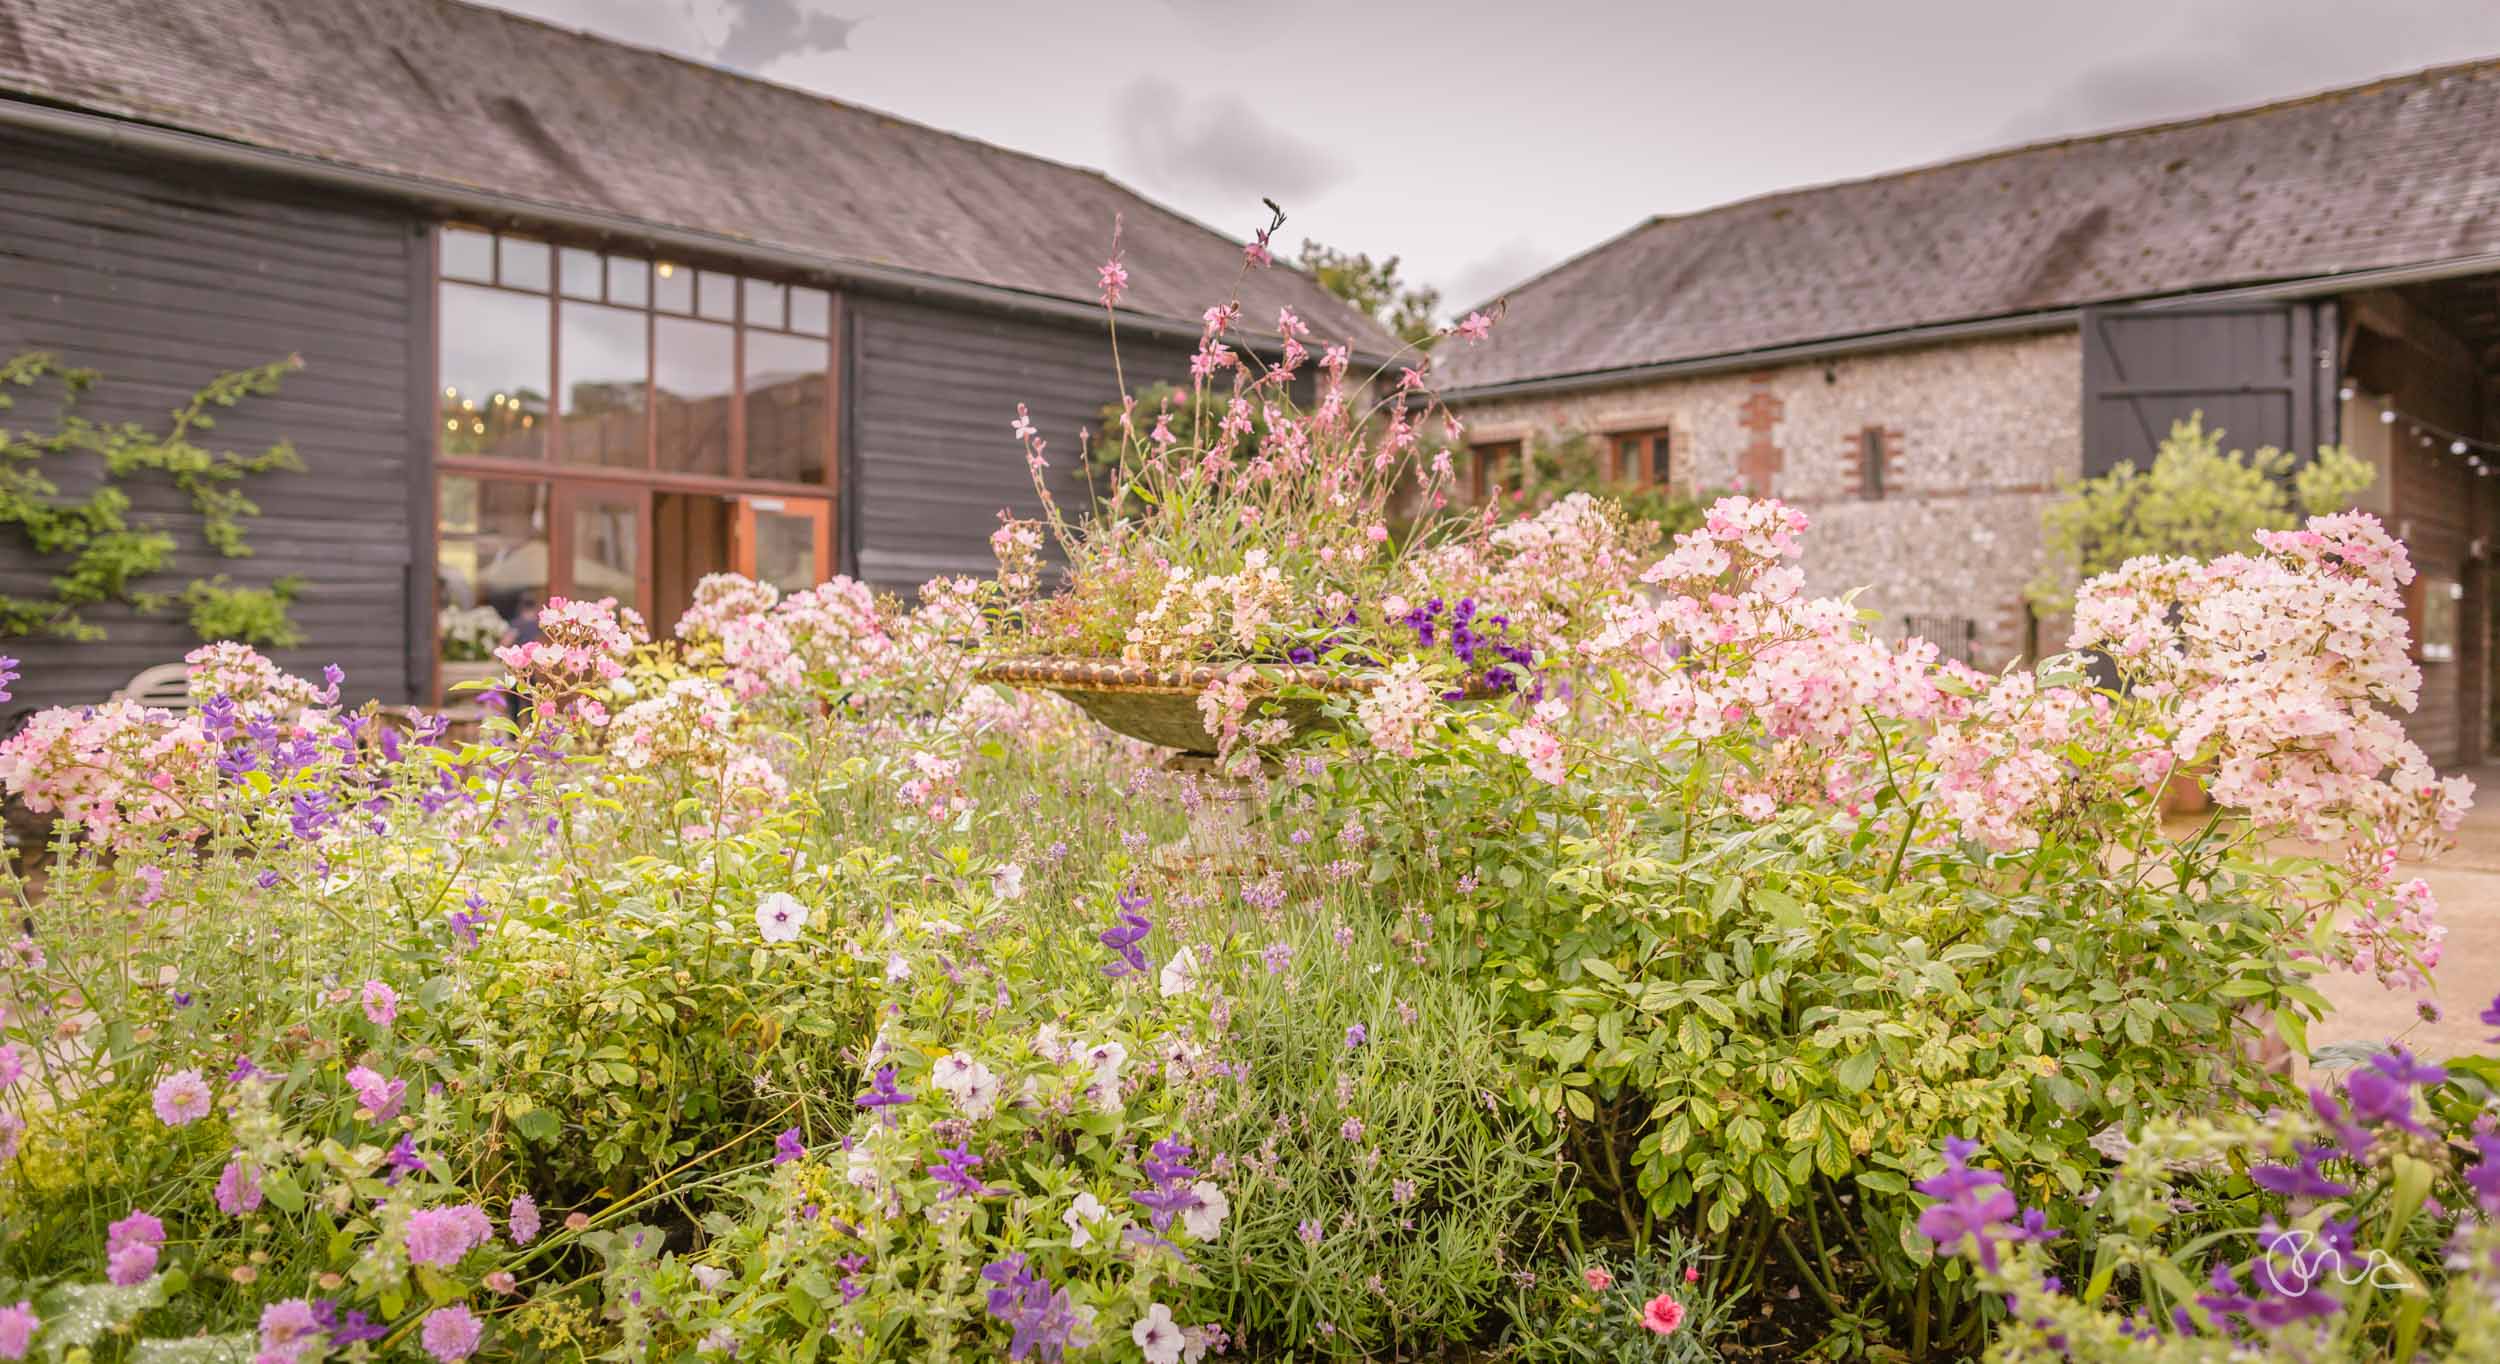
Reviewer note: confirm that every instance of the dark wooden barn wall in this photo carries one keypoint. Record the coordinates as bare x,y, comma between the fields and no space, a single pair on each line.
935,393
162,277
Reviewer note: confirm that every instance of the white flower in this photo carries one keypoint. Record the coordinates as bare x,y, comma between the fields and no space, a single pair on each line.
1205,1218
1180,974
1080,1217
897,968
1158,1335
711,1277
1007,880
1052,1045
974,1087
862,1173
780,917
1106,1060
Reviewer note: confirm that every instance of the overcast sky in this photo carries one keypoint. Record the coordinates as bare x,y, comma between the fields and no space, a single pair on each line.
1484,141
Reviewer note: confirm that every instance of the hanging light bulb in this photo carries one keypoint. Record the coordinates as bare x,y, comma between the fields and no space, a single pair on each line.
2456,447
2387,416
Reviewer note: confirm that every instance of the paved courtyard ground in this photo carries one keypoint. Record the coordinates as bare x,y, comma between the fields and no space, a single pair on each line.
2467,883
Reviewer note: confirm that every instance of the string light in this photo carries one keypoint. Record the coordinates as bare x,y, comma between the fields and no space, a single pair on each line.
2430,434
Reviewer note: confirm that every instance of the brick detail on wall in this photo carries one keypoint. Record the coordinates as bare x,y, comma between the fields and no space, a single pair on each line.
1853,459
1761,460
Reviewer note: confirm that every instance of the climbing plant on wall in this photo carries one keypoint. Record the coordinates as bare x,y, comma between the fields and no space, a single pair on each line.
97,551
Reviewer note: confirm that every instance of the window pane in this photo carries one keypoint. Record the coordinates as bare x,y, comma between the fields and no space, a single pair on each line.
605,358
1660,462
493,554
672,288
525,263
629,282
468,255
764,303
811,311
785,549
785,407
493,365
581,273
605,553
695,363
718,298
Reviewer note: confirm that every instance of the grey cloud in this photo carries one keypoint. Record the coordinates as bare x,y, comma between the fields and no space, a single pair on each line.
2253,51
762,32
1481,279
1220,146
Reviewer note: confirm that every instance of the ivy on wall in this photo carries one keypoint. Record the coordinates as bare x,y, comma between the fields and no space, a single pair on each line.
101,554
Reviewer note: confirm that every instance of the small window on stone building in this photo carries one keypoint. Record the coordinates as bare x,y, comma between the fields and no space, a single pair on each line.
1641,458
1871,456
1493,470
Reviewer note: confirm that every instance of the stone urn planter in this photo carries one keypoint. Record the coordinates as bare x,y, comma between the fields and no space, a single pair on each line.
1159,702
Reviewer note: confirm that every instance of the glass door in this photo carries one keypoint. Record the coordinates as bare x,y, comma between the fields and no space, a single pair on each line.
785,541
603,541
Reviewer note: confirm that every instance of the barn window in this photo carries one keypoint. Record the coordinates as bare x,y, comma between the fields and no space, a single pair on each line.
1641,458
1493,469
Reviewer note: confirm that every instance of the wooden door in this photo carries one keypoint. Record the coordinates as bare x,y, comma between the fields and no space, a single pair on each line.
785,541
602,544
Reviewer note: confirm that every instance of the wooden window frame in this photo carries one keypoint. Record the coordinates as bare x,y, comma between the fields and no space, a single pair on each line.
566,483
1484,478
1643,472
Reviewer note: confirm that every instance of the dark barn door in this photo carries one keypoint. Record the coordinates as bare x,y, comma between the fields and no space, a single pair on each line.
2263,372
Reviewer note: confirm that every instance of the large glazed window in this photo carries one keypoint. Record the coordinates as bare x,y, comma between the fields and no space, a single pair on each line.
494,367
493,549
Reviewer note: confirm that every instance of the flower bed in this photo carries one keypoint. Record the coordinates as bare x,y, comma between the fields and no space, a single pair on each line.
1730,980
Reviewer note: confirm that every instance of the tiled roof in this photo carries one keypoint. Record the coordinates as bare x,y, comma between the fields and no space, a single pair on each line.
2401,171
459,95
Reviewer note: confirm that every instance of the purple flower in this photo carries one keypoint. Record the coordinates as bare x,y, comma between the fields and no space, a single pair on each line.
440,1236
451,1333
345,1330
2304,1180
2378,1097
2484,1175
181,1098
954,1169
522,1218
787,1147
1039,1318
1973,1206
8,674
2491,1017
1309,1230
238,1190
1355,1037
2400,1065
376,1095
881,1091
381,1003
1126,933
403,1160
130,1248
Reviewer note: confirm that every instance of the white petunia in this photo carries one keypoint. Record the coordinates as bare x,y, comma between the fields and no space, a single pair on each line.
1081,1217
897,968
1007,880
974,1087
1205,1218
1158,1335
780,917
1180,974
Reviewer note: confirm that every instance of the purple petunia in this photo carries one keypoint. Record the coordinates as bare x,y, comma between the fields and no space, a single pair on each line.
787,1147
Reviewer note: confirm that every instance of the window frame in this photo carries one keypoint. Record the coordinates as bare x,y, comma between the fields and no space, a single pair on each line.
1652,442
1484,463
568,484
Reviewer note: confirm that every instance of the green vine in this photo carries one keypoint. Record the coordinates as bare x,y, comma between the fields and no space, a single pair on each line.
107,554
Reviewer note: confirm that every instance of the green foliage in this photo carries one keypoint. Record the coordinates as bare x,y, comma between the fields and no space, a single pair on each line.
246,615
1374,287
1564,462
107,554
1589,1310
2197,501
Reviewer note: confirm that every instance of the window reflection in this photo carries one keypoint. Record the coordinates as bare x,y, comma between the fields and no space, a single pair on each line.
629,282
468,254
694,373
493,546
606,554
811,311
718,298
525,264
581,273
672,288
493,364
605,358
785,407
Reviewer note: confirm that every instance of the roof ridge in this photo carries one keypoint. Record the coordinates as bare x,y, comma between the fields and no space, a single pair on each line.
782,87
2422,75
